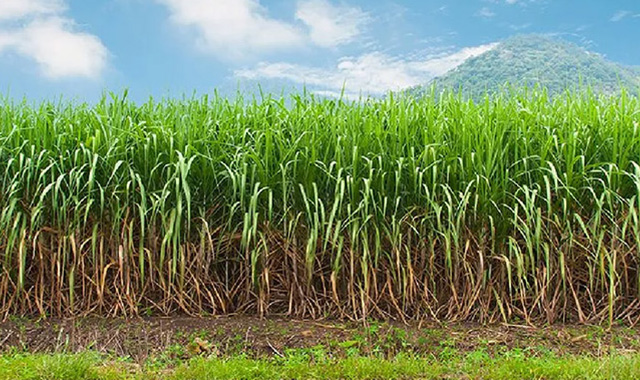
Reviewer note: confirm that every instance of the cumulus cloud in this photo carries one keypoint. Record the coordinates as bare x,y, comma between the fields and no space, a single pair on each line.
233,28
373,74
59,50
330,25
38,31
18,9
236,29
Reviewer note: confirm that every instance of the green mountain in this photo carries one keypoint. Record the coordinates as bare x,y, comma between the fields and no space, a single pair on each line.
530,60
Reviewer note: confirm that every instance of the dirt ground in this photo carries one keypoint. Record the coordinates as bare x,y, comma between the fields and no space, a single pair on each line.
182,337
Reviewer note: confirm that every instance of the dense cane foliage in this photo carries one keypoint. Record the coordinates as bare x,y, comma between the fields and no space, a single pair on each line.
518,207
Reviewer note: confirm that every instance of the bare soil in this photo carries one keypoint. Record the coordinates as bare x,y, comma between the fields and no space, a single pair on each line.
182,337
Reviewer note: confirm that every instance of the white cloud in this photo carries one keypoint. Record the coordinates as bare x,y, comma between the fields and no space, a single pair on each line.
236,29
619,15
51,40
5,40
374,73
441,65
518,27
18,9
59,50
330,25
233,28
486,13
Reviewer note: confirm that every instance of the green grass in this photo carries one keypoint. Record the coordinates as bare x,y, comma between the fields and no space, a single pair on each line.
474,365
50,367
517,208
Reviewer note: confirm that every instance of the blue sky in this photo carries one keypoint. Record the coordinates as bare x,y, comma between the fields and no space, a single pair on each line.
80,48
